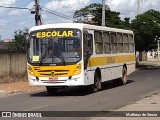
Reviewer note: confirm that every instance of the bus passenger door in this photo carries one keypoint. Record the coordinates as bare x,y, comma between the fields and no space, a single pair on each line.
87,47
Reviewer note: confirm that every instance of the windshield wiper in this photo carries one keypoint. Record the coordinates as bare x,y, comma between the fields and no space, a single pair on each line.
44,55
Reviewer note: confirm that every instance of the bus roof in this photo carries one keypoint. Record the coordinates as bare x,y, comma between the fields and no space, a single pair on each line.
80,26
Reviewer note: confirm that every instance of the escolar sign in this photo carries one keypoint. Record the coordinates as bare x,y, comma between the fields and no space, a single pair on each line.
54,34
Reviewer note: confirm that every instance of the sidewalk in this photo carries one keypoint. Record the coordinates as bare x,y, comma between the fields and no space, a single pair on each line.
151,104
15,88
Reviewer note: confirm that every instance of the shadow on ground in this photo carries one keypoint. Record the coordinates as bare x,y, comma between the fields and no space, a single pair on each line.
78,91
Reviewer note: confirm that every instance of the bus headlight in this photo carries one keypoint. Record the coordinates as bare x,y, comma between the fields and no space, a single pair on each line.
78,69
29,68
30,71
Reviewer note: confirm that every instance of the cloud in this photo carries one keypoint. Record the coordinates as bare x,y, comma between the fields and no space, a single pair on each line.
30,5
66,7
15,12
150,4
2,23
70,5
128,8
125,7
6,3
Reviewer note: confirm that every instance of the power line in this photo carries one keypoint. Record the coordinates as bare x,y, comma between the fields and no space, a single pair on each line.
37,11
56,13
57,5
24,4
16,8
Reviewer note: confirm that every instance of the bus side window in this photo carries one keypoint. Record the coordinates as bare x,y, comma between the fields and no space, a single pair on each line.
98,42
113,42
126,43
107,44
131,44
120,42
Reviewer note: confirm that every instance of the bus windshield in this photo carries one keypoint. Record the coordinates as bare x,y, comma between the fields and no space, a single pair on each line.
55,47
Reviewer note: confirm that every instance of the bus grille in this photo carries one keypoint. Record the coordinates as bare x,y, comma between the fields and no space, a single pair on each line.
43,72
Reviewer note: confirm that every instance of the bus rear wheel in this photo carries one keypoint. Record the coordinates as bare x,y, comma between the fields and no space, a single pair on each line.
51,90
124,76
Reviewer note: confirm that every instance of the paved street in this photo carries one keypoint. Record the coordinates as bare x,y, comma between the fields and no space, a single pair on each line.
141,83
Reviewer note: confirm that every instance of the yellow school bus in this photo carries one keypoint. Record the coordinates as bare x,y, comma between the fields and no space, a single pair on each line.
74,54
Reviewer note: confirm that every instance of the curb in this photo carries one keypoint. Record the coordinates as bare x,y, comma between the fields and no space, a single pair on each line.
151,63
4,93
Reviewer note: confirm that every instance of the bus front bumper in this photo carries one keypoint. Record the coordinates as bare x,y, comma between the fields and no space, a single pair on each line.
60,81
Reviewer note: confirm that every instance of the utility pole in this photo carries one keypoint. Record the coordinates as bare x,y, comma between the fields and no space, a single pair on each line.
103,12
158,48
37,13
138,7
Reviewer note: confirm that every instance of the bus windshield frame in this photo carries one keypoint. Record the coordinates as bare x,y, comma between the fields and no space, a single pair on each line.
57,47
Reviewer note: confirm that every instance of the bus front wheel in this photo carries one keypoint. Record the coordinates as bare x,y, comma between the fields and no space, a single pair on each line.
51,90
97,84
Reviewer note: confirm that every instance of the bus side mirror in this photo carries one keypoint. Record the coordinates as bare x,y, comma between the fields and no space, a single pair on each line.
26,37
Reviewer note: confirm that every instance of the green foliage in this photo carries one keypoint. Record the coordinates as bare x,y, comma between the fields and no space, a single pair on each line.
19,41
146,29
95,11
126,24
146,26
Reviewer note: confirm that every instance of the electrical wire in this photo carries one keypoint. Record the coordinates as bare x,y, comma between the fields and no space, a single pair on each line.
55,13
15,7
53,4
42,9
28,2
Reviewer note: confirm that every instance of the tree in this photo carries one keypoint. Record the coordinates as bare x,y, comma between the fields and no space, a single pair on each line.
92,14
146,28
126,23
19,41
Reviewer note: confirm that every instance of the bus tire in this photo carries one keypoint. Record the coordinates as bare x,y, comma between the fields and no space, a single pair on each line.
124,76
51,90
97,84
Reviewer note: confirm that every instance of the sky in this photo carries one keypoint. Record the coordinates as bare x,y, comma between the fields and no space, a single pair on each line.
15,19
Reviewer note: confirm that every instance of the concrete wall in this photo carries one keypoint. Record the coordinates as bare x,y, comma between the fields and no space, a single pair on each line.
13,63
143,56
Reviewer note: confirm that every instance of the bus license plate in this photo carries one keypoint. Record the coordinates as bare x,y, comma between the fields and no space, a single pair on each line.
53,79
